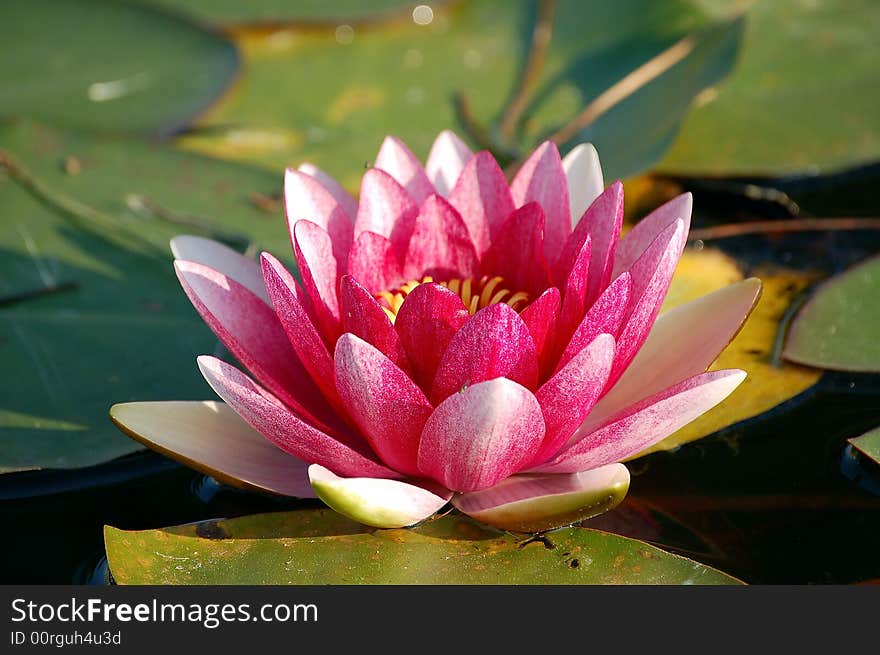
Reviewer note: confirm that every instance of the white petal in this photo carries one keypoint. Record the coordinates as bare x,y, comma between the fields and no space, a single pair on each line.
583,173
220,257
446,160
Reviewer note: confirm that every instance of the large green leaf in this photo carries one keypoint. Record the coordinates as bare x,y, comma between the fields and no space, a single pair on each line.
125,331
838,328
318,547
235,12
108,65
803,96
309,96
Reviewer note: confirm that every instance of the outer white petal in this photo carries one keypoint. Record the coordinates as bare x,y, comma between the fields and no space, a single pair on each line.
378,502
220,257
583,172
446,160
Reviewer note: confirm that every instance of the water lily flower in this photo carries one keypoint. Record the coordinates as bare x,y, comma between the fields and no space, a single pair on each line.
450,337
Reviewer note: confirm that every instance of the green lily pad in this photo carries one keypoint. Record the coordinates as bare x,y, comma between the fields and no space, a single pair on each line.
838,327
311,96
118,327
235,12
108,66
315,547
868,444
803,95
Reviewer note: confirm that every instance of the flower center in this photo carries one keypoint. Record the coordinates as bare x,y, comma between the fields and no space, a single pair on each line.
475,294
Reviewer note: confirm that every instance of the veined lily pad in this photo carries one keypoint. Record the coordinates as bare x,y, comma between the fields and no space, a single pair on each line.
317,547
108,66
839,327
868,444
117,327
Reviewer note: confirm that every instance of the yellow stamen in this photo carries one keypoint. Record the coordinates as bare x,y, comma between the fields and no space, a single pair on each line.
475,294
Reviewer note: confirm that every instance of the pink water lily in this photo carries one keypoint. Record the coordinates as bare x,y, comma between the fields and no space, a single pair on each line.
451,337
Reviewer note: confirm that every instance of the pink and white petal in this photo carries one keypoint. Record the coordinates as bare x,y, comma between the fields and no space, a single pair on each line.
683,342
374,501
209,437
605,316
568,397
637,240
343,197
320,274
222,258
601,223
583,173
385,208
517,251
374,263
574,299
541,179
482,197
283,427
494,343
426,322
540,316
447,158
642,425
251,331
303,337
440,246
305,198
365,318
396,159
651,275
535,502
481,435
386,405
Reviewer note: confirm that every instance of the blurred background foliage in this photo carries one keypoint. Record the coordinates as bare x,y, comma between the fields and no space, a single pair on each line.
125,122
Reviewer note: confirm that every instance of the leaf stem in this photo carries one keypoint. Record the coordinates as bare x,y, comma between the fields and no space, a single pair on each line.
784,225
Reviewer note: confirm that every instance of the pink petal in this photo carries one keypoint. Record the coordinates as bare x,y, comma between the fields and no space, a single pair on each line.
440,246
494,343
303,336
365,318
426,321
447,158
637,240
536,503
209,437
305,198
641,426
540,317
517,251
601,224
385,208
482,197
542,179
651,275
570,395
574,299
683,342
583,174
320,273
400,163
481,435
374,263
374,501
343,197
606,316
284,428
252,333
222,258
387,406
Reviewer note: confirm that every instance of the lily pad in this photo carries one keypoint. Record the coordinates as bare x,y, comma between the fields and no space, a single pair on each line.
839,326
117,326
787,106
313,96
770,382
235,12
108,66
317,547
868,444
